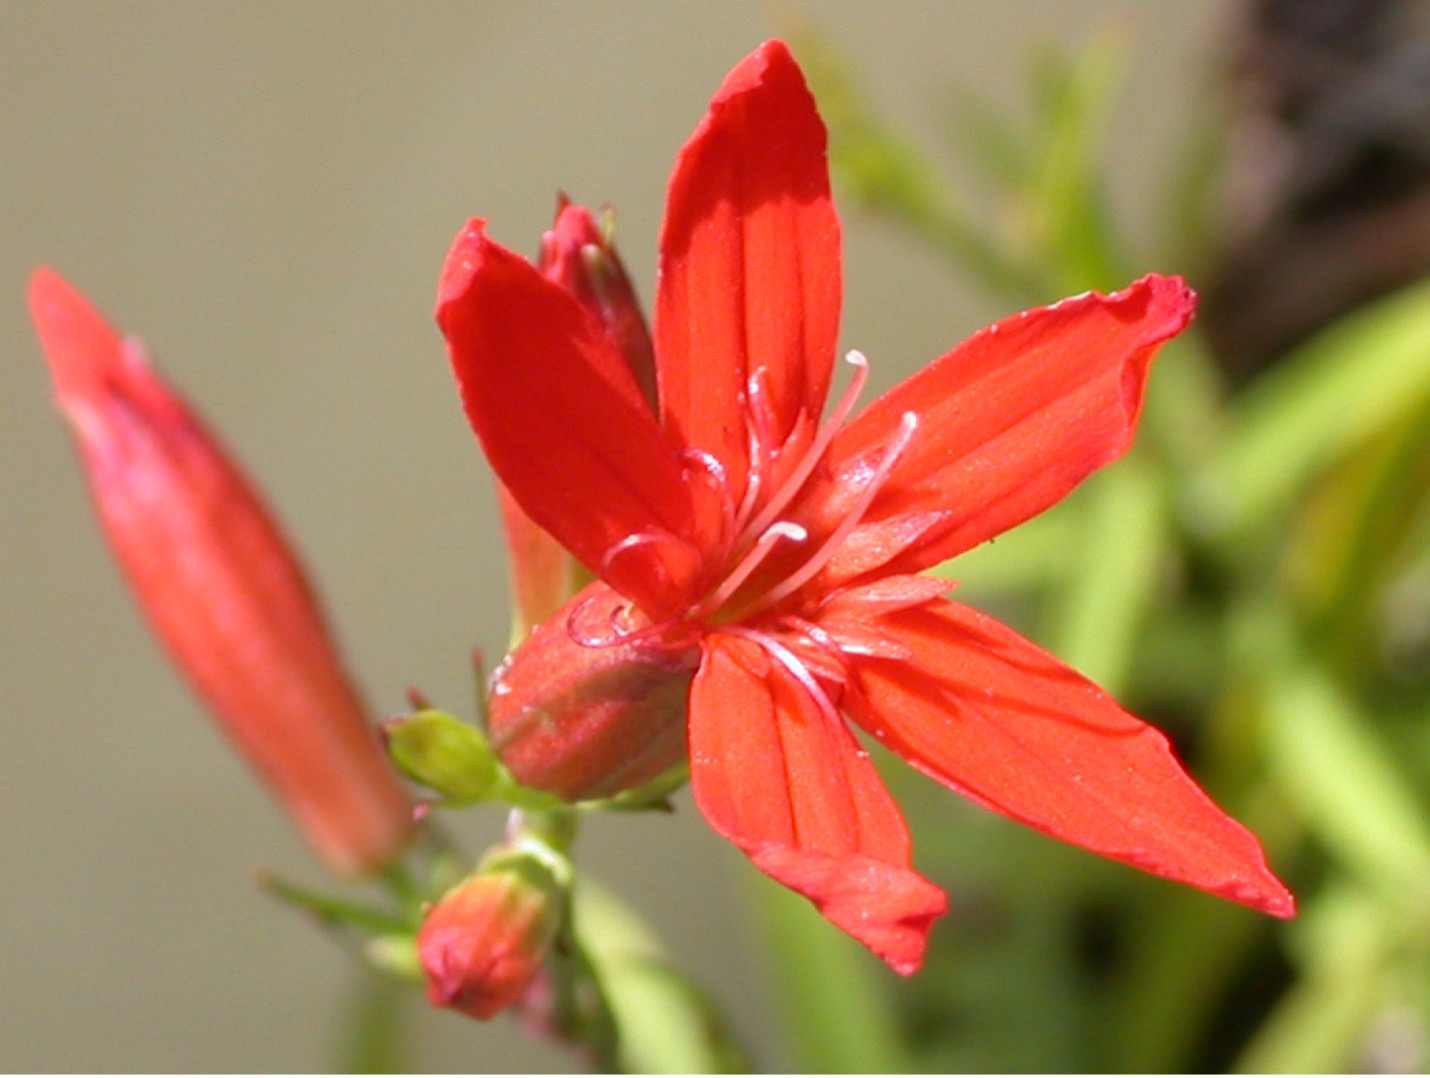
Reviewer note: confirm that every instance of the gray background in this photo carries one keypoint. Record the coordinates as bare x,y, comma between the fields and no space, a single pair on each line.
264,192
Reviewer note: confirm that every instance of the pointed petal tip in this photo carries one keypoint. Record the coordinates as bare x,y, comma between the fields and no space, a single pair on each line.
768,57
80,345
1265,893
44,283
889,909
463,260
1170,301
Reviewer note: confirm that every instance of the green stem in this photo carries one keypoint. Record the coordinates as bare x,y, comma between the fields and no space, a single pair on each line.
837,1020
374,1031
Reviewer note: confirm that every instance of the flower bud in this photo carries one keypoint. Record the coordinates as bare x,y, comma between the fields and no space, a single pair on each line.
442,753
221,587
582,258
589,719
487,938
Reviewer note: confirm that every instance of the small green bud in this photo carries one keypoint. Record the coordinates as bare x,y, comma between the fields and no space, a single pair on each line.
444,754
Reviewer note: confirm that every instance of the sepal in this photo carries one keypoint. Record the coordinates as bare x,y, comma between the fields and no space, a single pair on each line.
444,754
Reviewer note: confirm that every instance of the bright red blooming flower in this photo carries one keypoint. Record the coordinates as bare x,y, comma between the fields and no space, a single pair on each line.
758,565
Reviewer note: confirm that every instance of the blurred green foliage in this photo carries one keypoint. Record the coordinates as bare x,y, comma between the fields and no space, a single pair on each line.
1254,578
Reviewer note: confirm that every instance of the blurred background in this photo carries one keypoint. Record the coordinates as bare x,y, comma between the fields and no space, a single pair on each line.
264,192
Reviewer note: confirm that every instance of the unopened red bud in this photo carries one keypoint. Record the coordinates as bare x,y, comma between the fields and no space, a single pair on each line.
586,719
582,258
221,587
485,941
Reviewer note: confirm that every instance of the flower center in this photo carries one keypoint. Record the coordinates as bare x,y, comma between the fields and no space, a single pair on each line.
753,528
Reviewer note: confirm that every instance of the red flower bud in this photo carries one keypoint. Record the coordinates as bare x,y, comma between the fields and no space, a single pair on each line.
576,255
221,587
582,258
586,718
487,939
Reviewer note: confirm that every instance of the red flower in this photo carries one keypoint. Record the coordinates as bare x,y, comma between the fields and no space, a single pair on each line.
768,559
221,587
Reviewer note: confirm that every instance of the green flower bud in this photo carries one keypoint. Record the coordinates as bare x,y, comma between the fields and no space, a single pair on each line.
443,753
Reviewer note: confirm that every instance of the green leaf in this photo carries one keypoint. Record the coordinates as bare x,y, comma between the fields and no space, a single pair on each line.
1347,786
375,1027
664,1023
884,170
1318,1025
836,1018
1075,100
1031,557
989,140
1119,563
1365,373
332,911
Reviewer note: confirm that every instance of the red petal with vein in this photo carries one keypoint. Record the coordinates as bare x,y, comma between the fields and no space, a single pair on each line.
1016,416
562,420
996,718
789,785
749,263
221,587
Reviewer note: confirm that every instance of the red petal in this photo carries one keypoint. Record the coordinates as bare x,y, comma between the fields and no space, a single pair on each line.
544,575
562,419
221,587
1014,417
749,263
1001,721
784,780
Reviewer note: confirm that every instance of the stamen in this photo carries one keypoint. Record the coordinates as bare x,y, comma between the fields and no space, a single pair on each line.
714,471
826,434
783,530
791,662
761,420
647,538
907,425
864,640
578,620
608,632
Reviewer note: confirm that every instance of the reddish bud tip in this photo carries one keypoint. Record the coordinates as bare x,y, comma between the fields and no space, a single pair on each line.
485,941
582,258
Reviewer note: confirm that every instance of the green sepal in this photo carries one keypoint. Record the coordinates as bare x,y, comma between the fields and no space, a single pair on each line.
331,910
444,754
654,796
